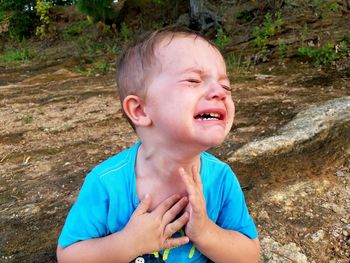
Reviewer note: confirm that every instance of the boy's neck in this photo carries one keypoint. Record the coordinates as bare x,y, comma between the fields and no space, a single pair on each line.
163,162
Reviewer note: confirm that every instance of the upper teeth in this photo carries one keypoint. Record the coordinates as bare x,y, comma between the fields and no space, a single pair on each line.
213,115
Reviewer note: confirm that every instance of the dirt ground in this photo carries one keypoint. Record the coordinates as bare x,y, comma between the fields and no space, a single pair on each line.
56,125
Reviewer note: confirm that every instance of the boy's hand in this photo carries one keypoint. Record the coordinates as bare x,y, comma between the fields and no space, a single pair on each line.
198,220
152,231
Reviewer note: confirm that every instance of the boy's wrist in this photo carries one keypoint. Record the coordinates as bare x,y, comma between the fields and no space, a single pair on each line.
132,248
201,241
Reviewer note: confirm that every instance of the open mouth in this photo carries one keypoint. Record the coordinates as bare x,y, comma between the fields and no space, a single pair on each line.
209,116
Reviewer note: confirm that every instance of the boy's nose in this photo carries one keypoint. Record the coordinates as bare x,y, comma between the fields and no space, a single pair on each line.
216,91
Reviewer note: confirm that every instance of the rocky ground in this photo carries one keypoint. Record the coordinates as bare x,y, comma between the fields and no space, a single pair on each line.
56,125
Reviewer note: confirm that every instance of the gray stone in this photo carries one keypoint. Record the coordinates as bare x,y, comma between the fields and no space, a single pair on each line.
319,235
184,20
308,126
274,252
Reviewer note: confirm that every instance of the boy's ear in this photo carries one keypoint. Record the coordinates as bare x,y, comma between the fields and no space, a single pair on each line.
134,109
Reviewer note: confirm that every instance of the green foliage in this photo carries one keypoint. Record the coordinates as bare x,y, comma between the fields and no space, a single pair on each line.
75,30
324,55
22,20
222,40
323,8
25,118
28,118
126,32
237,62
245,16
304,34
346,37
42,10
282,47
21,24
89,68
98,10
17,5
343,47
63,2
334,7
16,54
102,67
96,52
2,15
270,27
159,2
237,66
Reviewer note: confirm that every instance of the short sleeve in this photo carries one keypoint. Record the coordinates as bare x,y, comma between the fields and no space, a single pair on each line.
88,216
234,213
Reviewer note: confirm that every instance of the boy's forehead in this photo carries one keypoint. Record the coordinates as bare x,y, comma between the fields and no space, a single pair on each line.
179,47
181,42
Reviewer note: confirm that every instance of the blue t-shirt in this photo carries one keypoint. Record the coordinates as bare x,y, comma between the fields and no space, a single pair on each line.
108,198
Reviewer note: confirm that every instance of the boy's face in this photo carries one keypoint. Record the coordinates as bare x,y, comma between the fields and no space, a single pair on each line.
189,99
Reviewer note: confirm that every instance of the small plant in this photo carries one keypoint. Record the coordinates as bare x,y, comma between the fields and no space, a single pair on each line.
42,10
324,55
343,48
16,54
237,62
334,7
2,15
282,47
102,67
245,16
25,119
222,40
268,28
324,8
126,32
346,37
304,34
75,30
28,118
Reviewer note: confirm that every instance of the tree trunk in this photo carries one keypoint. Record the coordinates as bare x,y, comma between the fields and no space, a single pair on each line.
202,18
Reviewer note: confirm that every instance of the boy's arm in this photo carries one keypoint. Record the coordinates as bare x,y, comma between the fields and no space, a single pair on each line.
222,245
145,232
112,248
216,243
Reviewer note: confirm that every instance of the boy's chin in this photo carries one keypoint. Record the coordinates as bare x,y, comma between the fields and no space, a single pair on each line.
213,141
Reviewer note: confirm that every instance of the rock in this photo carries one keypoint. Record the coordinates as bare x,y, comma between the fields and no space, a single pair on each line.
263,215
309,126
274,252
340,173
184,20
319,235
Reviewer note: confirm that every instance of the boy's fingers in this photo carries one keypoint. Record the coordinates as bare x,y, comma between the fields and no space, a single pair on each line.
175,210
175,226
195,204
163,207
189,183
176,242
144,205
197,177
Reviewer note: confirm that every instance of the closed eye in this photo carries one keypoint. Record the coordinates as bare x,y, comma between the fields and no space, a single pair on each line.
193,80
228,88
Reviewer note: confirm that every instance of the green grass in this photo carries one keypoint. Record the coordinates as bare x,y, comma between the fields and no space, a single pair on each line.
15,55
